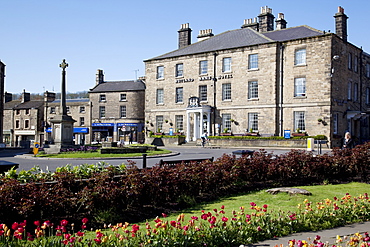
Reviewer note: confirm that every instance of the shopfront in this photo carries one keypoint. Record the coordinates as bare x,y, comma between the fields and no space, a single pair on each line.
124,133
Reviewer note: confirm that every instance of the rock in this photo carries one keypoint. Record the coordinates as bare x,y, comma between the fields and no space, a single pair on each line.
291,191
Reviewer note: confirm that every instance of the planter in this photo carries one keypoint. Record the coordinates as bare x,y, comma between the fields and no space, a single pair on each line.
298,134
252,134
226,134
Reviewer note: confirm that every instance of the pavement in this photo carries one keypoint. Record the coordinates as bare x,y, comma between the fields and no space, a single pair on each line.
326,236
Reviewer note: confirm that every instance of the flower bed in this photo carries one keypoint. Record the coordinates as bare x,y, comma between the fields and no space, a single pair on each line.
211,228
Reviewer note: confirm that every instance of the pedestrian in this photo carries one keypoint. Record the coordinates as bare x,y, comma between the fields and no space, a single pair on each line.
130,137
204,137
347,141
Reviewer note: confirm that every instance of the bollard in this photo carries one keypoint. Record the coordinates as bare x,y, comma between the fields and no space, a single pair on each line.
144,161
319,151
310,144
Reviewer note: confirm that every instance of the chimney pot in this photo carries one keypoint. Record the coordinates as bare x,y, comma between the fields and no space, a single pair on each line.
184,35
205,34
266,20
280,22
341,24
99,77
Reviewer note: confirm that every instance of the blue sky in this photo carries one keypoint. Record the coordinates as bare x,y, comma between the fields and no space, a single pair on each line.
117,35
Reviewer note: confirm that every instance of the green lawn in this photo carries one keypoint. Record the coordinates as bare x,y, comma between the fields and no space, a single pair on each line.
90,155
281,201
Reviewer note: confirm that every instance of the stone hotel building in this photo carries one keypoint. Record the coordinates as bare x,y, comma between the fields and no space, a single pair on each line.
261,79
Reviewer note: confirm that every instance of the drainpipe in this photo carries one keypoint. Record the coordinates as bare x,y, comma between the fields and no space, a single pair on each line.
280,98
214,92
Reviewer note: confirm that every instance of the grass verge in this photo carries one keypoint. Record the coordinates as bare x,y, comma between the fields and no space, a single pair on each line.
279,202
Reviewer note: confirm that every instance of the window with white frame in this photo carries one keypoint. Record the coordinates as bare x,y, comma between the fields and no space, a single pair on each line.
123,112
203,92
349,91
253,61
335,123
299,87
253,90
253,121
17,124
159,123
179,70
349,60
226,122
179,122
160,72
82,109
123,97
102,98
160,96
203,67
299,121
355,64
226,91
226,64
101,111
68,109
179,95
52,109
367,96
82,121
355,92
300,57
27,111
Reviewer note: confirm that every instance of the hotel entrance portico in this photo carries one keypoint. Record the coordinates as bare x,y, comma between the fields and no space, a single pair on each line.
198,118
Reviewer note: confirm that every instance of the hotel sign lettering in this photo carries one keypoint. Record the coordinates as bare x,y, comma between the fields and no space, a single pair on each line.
205,78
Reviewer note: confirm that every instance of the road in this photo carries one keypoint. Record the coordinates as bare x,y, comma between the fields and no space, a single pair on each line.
27,161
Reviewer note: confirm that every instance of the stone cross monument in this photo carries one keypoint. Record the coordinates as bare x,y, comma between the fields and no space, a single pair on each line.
62,124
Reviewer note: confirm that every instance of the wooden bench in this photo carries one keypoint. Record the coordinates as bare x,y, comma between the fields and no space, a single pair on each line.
6,166
170,163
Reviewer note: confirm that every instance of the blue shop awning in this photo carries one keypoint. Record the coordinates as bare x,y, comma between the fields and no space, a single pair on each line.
75,130
80,130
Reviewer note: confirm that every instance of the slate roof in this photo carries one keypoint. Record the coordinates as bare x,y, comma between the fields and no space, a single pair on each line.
18,105
80,100
11,104
242,38
118,86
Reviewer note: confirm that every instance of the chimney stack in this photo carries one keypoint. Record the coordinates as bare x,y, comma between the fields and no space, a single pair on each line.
184,35
49,96
99,77
8,97
205,34
252,23
266,20
280,22
25,97
341,24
